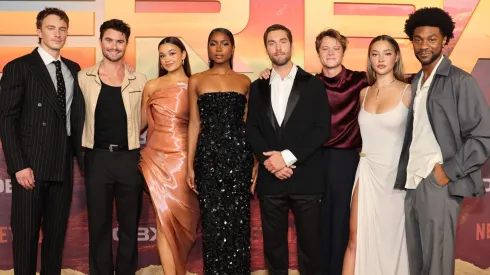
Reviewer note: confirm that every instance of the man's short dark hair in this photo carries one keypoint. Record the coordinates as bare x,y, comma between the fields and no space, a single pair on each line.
115,24
50,11
431,17
277,27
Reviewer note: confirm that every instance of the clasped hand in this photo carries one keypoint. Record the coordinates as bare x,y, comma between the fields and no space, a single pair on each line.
276,165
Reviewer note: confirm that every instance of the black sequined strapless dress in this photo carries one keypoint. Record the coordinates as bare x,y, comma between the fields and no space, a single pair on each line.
223,171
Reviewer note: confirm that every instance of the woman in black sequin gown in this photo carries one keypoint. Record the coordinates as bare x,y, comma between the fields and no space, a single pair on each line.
220,161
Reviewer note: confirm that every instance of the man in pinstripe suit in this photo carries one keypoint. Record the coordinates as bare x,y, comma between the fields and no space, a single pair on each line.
41,120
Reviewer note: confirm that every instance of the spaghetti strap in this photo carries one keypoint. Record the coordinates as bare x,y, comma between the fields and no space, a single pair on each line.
364,99
404,91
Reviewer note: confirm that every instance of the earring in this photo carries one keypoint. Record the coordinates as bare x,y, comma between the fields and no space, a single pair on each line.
182,61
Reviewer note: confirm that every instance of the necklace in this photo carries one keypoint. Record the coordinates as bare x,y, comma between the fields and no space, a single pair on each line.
384,86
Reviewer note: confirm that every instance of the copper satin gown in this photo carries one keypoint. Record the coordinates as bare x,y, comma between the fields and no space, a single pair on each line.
164,166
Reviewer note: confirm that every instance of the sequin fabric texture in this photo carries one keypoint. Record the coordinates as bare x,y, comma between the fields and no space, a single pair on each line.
223,171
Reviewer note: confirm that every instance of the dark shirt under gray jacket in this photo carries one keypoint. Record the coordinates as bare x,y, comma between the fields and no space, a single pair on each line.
460,118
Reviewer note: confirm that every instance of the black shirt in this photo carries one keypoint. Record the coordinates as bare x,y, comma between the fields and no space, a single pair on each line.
111,125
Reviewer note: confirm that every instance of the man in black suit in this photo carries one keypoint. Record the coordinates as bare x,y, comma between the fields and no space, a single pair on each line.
288,121
41,120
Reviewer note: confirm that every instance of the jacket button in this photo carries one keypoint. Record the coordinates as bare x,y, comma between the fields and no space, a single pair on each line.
44,123
39,104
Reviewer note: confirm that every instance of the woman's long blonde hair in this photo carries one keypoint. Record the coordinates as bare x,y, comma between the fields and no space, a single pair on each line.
397,70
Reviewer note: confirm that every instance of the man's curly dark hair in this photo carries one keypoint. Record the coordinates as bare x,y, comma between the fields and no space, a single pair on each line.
433,17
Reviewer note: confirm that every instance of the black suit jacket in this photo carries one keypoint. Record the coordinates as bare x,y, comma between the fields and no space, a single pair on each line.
32,131
306,126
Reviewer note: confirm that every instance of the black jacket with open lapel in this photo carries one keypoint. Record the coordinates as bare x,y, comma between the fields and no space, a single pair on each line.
306,126
32,131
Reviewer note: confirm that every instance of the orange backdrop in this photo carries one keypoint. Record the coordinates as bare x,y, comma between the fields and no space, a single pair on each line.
151,20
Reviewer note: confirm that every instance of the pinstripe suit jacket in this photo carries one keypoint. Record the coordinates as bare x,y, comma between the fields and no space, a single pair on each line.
32,131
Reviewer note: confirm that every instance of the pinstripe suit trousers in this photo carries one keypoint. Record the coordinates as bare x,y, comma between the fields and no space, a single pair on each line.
45,207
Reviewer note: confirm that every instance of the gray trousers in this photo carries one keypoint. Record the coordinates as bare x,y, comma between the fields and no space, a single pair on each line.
431,217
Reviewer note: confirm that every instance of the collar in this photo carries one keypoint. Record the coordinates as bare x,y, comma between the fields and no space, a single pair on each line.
431,76
341,75
94,71
444,67
46,57
291,75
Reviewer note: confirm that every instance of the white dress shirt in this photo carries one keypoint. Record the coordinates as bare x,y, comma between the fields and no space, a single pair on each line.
425,151
280,91
48,61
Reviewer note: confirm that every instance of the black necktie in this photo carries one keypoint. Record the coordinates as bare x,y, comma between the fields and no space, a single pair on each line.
61,89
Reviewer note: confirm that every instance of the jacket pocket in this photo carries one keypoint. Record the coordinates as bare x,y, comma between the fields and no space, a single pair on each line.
431,178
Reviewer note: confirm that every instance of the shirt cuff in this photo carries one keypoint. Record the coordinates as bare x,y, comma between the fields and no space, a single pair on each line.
288,157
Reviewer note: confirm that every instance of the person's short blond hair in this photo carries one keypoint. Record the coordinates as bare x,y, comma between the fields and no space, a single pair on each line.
335,34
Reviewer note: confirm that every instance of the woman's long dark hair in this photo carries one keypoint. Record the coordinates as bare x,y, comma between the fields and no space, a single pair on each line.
175,41
232,40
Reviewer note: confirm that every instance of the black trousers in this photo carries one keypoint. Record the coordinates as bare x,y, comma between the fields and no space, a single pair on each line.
274,210
45,207
109,176
340,167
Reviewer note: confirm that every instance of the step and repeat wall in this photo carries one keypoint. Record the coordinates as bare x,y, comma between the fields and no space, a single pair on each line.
151,20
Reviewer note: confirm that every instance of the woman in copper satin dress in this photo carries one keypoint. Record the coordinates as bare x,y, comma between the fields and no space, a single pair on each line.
164,159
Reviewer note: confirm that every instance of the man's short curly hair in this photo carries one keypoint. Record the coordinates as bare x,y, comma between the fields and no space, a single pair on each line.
433,17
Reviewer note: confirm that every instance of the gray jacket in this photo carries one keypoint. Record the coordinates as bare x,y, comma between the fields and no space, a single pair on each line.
460,118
